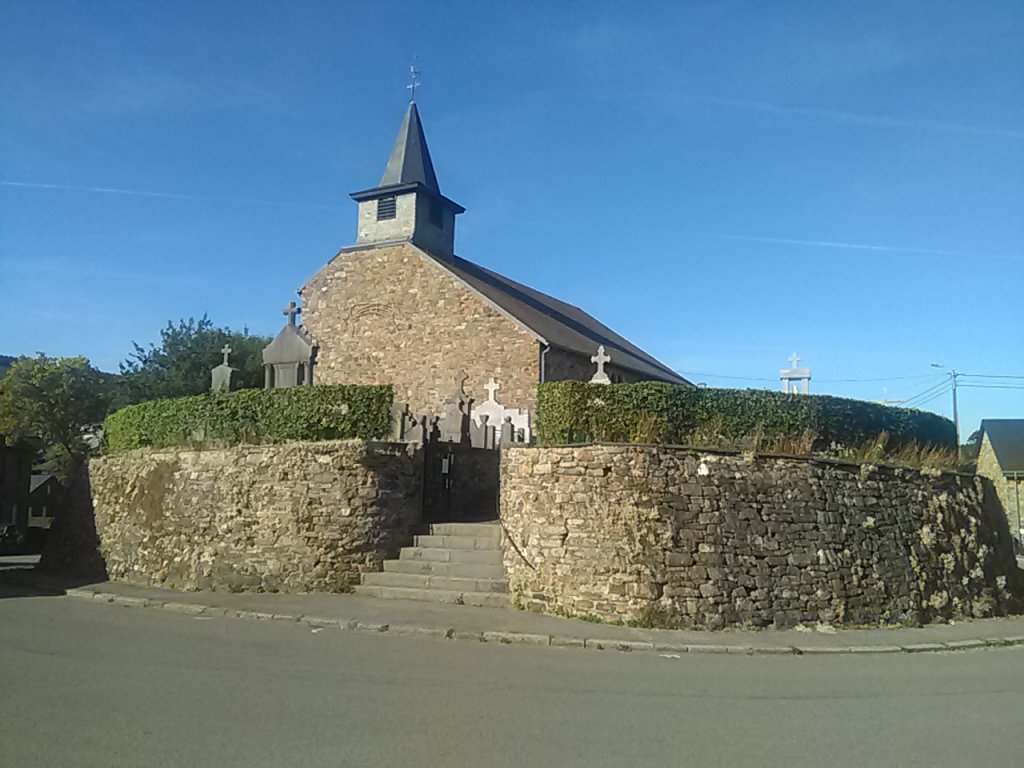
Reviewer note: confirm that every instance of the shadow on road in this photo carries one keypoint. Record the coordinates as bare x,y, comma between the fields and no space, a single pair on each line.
20,576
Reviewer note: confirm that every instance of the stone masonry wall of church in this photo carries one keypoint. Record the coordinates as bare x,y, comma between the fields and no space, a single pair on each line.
564,365
679,537
297,517
390,315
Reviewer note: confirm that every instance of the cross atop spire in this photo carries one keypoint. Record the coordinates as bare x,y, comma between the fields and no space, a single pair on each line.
414,80
291,310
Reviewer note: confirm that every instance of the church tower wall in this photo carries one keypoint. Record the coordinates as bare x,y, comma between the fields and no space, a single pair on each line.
371,229
389,314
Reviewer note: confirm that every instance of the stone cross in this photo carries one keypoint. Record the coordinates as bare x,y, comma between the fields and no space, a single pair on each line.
600,358
292,310
220,377
795,380
491,386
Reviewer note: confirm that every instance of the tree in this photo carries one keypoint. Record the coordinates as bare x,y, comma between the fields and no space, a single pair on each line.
969,451
54,399
180,365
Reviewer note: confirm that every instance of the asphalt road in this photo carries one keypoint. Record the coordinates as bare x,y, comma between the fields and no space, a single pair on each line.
88,684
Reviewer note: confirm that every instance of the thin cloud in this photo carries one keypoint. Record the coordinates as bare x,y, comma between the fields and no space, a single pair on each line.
882,121
165,195
860,246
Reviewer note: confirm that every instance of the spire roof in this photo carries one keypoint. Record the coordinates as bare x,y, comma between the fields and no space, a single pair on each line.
410,159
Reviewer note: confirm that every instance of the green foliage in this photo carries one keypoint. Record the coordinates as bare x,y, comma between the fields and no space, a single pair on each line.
53,399
325,412
180,365
6,361
575,412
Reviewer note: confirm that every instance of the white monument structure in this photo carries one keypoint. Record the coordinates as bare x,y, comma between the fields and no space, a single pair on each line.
600,359
795,381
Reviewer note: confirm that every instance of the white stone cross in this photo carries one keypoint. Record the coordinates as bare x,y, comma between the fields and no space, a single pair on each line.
492,386
226,351
600,358
794,359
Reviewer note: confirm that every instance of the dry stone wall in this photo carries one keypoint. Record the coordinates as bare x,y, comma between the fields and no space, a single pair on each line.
297,517
678,537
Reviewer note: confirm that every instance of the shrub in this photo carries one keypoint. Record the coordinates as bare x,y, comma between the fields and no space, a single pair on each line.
326,412
576,412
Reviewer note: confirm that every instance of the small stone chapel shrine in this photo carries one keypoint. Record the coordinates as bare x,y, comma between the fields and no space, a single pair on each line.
289,359
400,307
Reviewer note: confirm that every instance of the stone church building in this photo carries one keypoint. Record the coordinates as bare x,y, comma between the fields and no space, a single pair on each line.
401,307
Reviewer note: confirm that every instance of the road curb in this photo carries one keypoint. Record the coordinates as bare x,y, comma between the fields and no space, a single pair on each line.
669,650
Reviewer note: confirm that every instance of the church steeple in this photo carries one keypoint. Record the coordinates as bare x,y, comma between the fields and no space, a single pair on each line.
408,204
410,158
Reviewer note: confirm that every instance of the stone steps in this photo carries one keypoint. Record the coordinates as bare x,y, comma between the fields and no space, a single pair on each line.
437,568
444,555
479,599
421,581
453,563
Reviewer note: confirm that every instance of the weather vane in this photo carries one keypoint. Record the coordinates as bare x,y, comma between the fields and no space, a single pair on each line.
414,80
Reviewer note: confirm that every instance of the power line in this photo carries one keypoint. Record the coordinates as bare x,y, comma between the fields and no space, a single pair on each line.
720,376
885,378
992,386
987,376
929,399
940,388
821,381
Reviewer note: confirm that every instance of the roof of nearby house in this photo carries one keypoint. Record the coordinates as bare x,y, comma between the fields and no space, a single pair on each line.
37,481
1007,439
556,322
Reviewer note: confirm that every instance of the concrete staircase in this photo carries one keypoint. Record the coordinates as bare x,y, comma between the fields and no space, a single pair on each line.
455,563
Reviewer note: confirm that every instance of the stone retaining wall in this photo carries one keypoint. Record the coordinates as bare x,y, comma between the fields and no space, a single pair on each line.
678,537
298,517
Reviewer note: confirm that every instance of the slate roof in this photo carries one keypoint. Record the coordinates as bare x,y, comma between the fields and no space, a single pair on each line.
38,480
1007,439
410,161
556,322
291,345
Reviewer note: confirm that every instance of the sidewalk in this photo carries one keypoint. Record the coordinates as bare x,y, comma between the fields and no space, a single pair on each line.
502,625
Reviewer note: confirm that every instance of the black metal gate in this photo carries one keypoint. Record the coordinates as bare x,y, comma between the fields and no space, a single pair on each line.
460,483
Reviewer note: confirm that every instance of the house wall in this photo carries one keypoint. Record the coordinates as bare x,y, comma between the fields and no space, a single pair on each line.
297,517
681,537
391,315
15,479
1010,493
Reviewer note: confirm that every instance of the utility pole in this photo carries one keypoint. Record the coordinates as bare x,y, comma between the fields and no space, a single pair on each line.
956,414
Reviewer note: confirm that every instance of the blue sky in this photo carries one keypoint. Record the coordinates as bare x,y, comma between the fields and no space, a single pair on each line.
723,183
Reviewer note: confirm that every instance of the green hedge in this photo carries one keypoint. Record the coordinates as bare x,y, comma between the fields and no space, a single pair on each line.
253,416
575,412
